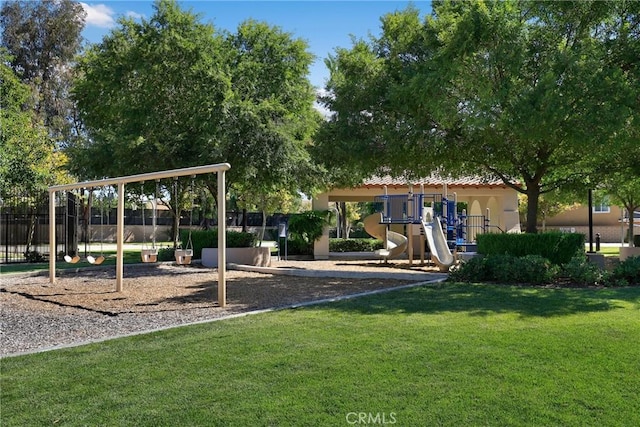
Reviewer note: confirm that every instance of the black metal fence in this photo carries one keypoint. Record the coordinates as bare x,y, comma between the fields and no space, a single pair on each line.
24,227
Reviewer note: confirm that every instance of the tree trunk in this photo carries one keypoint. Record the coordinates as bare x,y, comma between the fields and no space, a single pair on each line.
631,209
342,223
533,196
244,220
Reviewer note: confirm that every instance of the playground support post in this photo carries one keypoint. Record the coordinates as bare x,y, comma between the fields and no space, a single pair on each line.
220,169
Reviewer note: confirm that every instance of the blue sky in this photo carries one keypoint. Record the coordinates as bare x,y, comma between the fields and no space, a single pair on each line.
325,25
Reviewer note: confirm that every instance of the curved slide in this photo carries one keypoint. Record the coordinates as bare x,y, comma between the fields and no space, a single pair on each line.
440,253
395,243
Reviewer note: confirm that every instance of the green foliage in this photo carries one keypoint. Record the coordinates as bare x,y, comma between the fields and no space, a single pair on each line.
209,239
43,38
166,254
555,85
627,272
582,272
559,248
308,226
34,256
355,245
298,246
529,269
26,156
175,92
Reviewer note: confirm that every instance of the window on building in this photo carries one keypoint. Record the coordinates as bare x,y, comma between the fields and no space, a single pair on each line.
602,205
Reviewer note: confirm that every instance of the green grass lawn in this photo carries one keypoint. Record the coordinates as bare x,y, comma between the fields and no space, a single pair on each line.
451,354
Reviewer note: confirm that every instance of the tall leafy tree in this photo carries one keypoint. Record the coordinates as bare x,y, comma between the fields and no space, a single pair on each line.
25,154
43,38
174,92
521,90
161,85
270,116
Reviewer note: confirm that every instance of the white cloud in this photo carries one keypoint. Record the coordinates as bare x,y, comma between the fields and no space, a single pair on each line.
99,15
134,15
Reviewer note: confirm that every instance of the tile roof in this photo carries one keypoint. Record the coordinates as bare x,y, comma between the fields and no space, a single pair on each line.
433,180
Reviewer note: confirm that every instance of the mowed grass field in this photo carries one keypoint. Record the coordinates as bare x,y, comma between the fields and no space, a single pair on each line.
449,354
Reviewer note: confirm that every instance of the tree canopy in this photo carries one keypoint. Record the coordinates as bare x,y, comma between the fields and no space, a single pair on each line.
28,160
43,38
175,92
526,91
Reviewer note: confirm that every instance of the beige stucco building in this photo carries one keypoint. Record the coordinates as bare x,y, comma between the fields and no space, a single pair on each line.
491,198
608,221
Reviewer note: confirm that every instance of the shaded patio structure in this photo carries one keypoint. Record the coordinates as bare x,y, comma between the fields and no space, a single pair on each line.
491,199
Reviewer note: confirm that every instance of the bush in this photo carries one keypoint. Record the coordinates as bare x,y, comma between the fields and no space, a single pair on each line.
636,240
559,248
166,254
582,272
472,270
209,239
34,256
627,272
299,247
530,269
355,245
308,226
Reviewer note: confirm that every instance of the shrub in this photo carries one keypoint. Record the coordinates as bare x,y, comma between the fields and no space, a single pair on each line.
472,270
308,226
34,256
355,245
530,269
627,272
209,239
582,272
636,240
298,246
558,248
166,254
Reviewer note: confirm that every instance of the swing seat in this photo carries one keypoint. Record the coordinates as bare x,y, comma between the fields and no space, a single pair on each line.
72,260
183,256
97,261
149,255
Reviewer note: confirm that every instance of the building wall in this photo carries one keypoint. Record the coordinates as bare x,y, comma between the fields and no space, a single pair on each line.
579,216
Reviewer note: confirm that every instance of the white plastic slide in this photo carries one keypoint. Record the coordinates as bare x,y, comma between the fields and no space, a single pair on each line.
440,252
395,243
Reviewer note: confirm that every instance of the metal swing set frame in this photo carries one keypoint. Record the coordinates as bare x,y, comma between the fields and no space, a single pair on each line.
120,182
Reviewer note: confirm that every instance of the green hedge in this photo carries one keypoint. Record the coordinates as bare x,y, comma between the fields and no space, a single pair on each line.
209,239
533,269
355,245
529,269
559,248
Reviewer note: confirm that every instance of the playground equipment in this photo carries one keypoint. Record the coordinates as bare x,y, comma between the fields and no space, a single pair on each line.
395,243
440,253
433,217
90,258
219,169
71,257
149,254
183,255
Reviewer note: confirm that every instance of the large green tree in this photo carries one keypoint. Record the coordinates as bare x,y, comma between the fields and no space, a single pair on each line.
43,38
174,92
150,96
270,117
25,153
520,90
